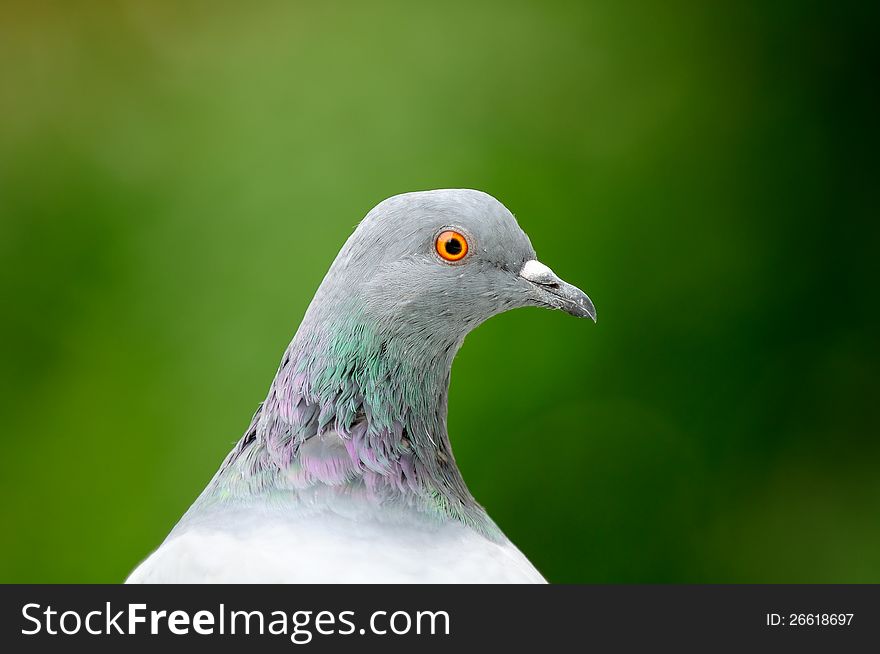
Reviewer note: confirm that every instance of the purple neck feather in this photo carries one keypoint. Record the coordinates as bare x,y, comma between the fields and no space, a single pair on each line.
360,410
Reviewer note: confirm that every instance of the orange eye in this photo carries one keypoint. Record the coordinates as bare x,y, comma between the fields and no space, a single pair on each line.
451,245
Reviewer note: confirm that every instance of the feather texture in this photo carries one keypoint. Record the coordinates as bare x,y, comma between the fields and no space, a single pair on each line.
346,472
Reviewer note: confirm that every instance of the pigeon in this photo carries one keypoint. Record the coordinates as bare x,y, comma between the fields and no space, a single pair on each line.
345,473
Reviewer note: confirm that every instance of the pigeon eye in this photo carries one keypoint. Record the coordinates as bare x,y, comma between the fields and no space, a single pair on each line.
451,245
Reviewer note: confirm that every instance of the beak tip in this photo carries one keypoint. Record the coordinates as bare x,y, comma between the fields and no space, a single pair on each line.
590,312
586,307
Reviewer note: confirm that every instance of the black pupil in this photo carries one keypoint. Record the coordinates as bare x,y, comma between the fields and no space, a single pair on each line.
453,246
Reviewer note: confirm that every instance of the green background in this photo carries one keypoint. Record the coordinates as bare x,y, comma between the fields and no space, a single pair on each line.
175,179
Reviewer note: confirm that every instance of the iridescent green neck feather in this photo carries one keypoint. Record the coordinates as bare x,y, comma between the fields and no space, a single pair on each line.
359,410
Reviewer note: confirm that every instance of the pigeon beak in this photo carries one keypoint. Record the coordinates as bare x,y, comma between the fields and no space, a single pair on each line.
555,293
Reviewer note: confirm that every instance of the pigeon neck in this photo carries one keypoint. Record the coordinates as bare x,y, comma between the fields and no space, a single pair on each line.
356,405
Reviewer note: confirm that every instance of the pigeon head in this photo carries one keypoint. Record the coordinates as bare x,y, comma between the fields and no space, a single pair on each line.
430,266
361,392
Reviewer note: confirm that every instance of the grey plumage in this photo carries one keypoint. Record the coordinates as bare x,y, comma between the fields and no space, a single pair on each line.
357,409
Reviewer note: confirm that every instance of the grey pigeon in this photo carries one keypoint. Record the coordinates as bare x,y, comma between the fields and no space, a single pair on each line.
345,473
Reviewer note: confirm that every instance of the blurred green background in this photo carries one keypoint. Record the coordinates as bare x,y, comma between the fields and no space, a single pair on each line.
175,179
